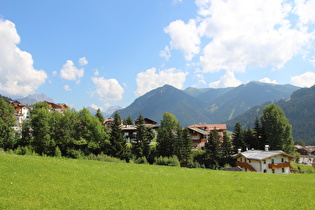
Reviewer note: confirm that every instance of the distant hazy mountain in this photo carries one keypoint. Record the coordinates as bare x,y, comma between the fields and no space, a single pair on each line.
110,111
107,113
299,109
32,99
187,109
207,105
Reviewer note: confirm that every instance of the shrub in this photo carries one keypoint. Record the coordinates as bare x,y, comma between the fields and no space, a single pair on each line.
76,154
141,160
167,161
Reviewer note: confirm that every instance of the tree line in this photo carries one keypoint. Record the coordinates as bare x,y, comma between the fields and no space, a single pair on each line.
78,134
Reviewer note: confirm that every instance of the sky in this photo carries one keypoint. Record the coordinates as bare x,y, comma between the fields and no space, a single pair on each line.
102,53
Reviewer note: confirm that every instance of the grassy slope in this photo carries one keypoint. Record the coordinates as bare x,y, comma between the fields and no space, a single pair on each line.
43,182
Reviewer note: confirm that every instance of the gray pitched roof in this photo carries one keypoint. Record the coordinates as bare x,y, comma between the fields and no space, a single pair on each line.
262,154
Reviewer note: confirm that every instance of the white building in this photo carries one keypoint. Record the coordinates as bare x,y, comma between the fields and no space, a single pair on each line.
264,161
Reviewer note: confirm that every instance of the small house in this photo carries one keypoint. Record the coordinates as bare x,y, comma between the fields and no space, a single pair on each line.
264,161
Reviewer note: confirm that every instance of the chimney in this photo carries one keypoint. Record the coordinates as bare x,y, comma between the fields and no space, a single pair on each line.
266,147
239,150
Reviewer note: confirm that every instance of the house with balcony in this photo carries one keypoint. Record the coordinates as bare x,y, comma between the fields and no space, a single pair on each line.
265,161
199,133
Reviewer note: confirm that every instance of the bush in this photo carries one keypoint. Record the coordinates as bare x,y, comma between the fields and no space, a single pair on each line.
167,161
76,154
102,157
141,160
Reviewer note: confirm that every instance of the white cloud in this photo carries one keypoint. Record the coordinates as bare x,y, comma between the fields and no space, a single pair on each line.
93,106
83,61
70,72
201,78
107,89
17,74
54,73
305,10
96,72
184,37
227,80
304,80
67,88
150,80
236,34
165,54
267,80
249,33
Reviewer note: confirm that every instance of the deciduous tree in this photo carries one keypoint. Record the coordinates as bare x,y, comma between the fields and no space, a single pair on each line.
277,129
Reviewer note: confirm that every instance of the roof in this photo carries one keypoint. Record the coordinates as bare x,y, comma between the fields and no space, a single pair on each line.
262,154
209,127
203,132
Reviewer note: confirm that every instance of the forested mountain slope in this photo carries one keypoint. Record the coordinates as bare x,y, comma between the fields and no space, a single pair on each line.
299,109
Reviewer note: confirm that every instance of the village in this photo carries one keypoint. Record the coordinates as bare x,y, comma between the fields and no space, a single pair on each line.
252,160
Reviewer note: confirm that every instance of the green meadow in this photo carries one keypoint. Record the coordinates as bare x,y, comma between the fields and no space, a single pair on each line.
33,182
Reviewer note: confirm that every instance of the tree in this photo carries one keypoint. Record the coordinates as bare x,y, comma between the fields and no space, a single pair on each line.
186,146
213,150
92,133
117,143
276,129
226,149
128,121
99,115
7,121
166,135
238,138
249,137
259,140
42,143
26,137
141,145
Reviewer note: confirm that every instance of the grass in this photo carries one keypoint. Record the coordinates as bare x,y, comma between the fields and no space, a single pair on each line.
32,182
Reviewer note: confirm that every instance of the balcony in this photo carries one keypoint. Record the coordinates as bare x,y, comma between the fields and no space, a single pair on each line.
245,165
279,165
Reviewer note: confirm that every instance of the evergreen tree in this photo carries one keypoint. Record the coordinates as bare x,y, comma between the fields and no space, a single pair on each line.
226,149
7,121
140,141
117,143
186,147
99,115
128,121
166,135
276,129
259,141
249,137
178,143
213,150
238,138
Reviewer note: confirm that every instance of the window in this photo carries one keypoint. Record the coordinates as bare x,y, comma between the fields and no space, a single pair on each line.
282,160
272,161
282,170
264,161
273,171
249,161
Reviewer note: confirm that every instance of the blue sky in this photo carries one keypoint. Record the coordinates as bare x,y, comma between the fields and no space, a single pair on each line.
101,53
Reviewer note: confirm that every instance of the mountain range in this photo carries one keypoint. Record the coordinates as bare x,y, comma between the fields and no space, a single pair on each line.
207,105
